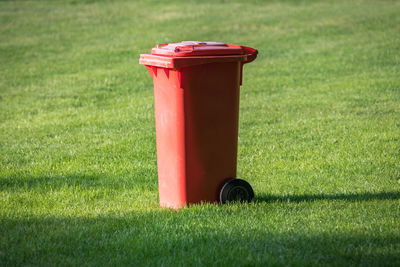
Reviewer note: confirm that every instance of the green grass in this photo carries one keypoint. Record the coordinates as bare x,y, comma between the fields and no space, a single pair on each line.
319,136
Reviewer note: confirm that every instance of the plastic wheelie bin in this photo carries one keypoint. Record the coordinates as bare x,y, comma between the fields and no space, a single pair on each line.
196,97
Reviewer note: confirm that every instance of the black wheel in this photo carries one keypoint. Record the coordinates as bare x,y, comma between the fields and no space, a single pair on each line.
236,190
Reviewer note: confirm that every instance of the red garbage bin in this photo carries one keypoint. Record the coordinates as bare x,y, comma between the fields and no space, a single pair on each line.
196,96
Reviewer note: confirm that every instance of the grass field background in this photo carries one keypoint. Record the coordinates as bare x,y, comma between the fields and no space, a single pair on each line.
319,136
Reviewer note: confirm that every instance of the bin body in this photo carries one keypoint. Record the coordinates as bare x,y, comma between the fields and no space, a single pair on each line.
196,112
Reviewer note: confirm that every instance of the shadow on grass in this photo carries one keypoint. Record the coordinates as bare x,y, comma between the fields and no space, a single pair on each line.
185,239
147,179
317,197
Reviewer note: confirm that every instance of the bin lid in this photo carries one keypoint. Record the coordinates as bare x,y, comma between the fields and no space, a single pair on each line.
195,48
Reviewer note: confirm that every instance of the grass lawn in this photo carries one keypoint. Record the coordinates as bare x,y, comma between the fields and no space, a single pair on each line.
319,136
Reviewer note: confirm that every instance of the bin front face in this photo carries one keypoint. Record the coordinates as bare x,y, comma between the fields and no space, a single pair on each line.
211,97
196,108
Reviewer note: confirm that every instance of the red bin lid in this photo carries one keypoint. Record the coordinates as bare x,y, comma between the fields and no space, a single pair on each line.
194,48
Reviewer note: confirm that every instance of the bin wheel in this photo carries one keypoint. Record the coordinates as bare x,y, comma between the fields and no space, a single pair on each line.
236,190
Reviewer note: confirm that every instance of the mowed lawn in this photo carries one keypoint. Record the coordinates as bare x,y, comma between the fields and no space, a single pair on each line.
319,136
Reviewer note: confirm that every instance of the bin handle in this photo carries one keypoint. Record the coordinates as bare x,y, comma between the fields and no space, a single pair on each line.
158,45
186,48
251,54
